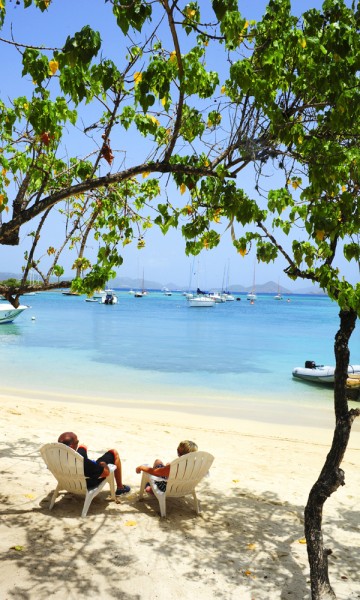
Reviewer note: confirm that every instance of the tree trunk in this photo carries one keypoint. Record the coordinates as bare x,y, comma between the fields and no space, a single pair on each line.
331,476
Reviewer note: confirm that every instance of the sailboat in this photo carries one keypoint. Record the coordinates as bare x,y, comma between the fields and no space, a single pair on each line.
225,294
251,295
143,292
278,295
200,299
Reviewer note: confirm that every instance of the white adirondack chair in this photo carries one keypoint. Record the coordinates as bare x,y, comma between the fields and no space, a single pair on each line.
67,466
185,474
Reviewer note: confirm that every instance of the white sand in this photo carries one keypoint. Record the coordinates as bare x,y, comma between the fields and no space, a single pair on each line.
244,546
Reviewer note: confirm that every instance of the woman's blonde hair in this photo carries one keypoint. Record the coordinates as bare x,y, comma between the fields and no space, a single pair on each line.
186,447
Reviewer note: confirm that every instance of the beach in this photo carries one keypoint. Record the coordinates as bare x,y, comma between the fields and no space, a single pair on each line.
248,542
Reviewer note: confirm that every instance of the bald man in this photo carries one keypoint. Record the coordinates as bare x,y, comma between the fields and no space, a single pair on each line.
96,470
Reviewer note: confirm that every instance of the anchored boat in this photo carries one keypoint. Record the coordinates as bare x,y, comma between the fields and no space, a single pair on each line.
320,373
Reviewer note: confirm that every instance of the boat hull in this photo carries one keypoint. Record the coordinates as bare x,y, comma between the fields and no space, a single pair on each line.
321,373
201,302
8,313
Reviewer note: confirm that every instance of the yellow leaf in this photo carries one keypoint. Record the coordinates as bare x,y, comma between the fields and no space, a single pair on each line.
190,12
302,541
154,120
295,184
217,216
17,548
172,57
137,77
247,573
223,89
163,101
130,523
300,139
320,234
303,43
242,251
251,546
2,198
189,209
146,174
182,188
1,5
6,209
53,66
246,25
209,123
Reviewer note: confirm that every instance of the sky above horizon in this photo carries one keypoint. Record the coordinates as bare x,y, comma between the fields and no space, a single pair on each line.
163,259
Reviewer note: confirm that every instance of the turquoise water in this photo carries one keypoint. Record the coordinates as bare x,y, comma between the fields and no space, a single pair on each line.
157,351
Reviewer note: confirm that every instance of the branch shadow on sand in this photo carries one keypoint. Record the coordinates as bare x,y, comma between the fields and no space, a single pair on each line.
240,540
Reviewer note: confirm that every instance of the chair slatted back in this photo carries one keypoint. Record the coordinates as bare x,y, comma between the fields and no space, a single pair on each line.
67,466
187,471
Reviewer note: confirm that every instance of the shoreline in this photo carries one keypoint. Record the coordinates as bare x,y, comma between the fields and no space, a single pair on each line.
271,411
247,543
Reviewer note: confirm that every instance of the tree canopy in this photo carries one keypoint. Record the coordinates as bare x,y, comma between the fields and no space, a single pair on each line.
286,95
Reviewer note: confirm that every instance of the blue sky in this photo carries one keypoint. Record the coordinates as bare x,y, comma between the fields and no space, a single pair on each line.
163,259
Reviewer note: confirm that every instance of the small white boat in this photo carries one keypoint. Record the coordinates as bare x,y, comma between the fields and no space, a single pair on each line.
320,373
166,291
251,296
228,297
278,297
201,302
110,298
8,313
92,300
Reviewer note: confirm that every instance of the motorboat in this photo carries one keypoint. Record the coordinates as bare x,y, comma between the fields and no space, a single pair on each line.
8,313
320,373
166,291
100,294
201,301
110,298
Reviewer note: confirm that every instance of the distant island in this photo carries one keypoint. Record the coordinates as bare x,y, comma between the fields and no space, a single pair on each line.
126,283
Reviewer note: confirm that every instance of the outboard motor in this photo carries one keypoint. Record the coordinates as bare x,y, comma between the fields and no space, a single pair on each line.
310,364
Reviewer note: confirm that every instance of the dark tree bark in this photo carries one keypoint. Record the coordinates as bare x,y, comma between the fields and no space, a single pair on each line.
331,476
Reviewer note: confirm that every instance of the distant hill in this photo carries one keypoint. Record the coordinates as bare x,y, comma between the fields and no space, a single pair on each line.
128,283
